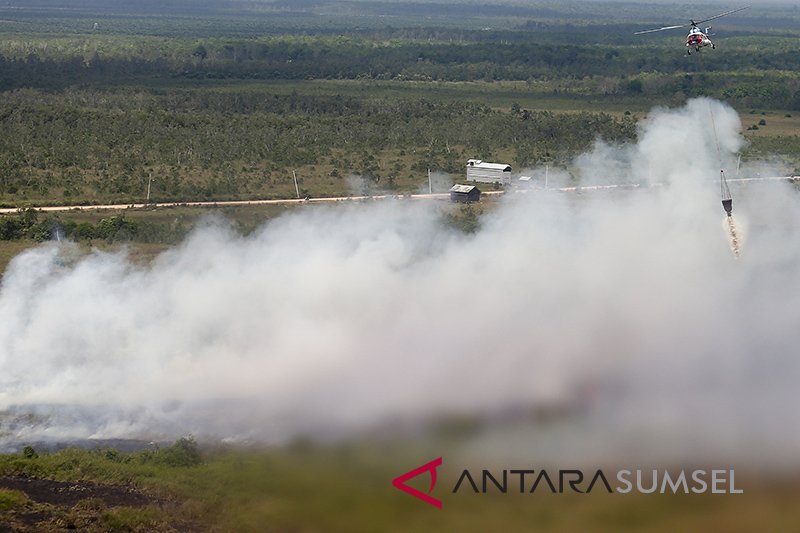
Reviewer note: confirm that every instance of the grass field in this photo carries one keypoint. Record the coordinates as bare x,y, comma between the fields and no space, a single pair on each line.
347,487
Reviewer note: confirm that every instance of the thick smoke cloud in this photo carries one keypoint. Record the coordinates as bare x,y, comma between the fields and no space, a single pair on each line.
628,307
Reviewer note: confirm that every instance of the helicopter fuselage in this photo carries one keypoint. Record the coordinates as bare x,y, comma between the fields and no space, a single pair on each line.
697,40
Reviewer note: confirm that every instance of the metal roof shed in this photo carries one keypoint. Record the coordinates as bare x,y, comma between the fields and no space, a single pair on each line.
484,172
466,194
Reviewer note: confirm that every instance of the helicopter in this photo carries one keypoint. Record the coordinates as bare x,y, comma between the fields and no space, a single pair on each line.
696,38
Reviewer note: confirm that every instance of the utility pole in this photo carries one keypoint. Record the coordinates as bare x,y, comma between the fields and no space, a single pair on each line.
430,184
149,182
546,172
296,189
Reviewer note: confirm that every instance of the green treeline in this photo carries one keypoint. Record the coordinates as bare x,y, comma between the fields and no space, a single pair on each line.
290,58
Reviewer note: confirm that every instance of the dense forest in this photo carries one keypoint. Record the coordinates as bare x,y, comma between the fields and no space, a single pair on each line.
763,77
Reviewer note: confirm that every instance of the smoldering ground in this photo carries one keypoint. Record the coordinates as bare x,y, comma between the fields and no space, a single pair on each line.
335,320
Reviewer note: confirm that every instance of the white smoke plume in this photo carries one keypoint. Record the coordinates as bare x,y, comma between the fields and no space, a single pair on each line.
439,182
331,320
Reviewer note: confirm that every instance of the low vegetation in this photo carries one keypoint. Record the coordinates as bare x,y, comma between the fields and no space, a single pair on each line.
346,487
29,224
99,146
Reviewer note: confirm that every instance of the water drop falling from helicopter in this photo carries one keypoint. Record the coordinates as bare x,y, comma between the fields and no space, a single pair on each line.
735,237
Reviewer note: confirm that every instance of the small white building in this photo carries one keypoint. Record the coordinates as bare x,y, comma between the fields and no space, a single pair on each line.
483,172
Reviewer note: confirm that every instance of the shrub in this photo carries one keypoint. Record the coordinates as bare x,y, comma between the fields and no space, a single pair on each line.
184,452
10,499
29,452
112,454
10,229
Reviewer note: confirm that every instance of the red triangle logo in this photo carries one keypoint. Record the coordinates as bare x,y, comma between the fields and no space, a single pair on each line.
400,482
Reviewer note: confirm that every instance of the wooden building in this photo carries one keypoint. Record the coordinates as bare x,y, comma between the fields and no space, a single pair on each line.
465,194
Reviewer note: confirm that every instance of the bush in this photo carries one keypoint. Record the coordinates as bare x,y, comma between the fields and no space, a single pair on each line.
29,452
466,219
112,454
634,87
10,229
184,452
116,228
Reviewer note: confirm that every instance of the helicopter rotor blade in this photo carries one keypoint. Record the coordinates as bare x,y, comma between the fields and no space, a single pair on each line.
661,29
693,23
721,15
